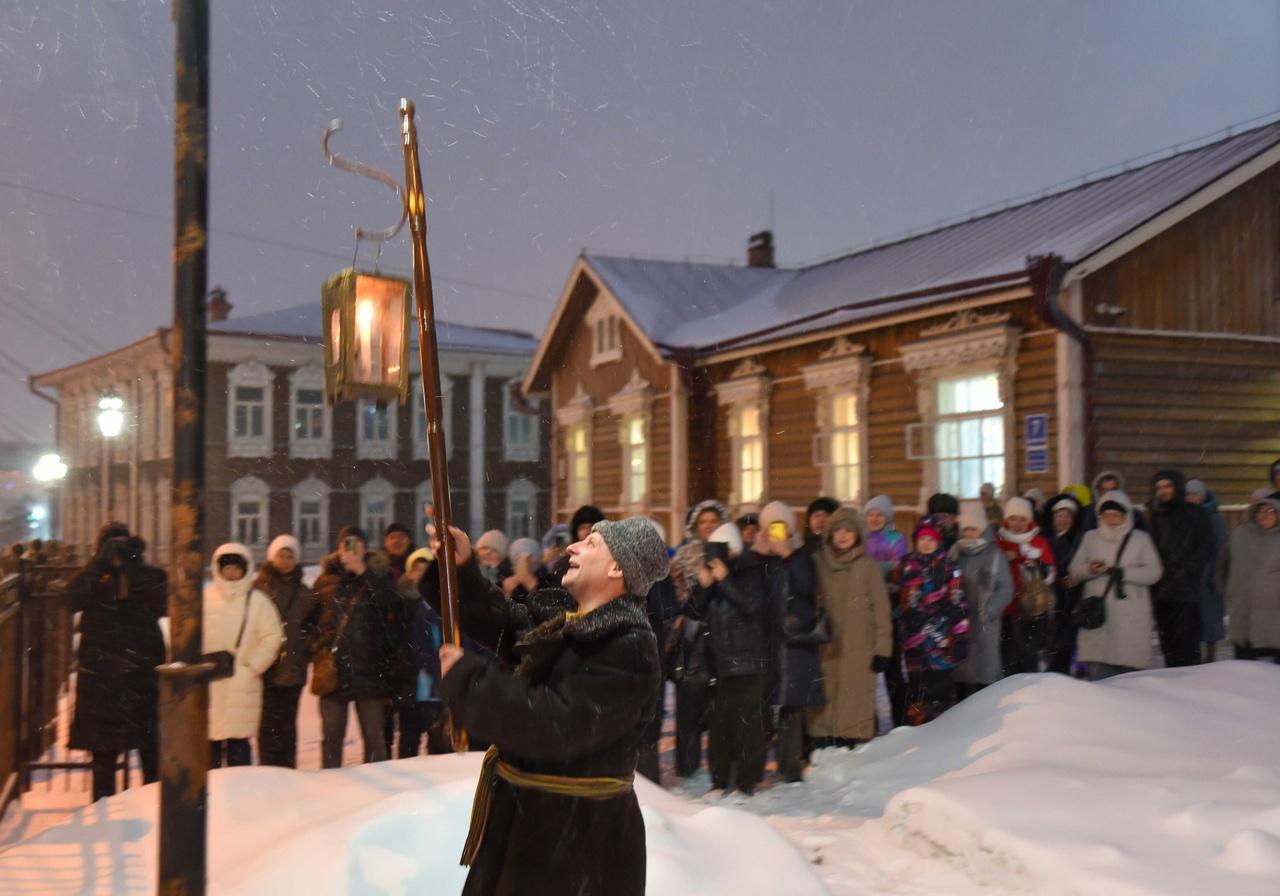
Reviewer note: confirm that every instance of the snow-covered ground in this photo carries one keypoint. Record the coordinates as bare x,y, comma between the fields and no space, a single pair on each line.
1162,782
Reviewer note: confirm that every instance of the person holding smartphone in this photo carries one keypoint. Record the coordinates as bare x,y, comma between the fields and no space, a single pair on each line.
358,604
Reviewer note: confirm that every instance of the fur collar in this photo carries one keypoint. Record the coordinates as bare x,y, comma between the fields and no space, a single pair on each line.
539,644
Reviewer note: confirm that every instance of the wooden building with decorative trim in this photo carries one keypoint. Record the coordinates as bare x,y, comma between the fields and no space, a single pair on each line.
1131,322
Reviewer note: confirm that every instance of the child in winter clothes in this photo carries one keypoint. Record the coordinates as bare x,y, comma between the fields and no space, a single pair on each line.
932,622
885,544
1027,549
241,621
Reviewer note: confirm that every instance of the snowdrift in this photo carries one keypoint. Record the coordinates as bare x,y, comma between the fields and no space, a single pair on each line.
390,829
1160,782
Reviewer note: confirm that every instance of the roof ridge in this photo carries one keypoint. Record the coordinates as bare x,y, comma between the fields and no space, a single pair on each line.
1053,191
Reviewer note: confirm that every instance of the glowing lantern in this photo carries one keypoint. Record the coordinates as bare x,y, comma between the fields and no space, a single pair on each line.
366,337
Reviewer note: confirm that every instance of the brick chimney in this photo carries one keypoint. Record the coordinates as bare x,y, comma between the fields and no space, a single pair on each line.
760,249
218,307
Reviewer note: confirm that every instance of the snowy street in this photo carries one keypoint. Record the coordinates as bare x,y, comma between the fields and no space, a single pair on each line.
1161,782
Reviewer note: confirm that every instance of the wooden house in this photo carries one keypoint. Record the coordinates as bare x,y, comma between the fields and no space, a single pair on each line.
1130,323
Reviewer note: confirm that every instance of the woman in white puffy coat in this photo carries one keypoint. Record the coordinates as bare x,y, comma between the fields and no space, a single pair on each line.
1123,643
242,621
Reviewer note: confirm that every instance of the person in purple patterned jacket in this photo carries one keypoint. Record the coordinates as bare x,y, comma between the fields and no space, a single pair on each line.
932,619
884,543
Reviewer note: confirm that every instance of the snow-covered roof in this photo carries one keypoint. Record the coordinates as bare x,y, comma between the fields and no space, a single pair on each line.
702,306
303,322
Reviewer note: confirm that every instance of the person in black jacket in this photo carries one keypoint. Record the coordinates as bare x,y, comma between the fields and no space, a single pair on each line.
737,600
281,579
1065,533
121,600
1184,537
357,601
555,809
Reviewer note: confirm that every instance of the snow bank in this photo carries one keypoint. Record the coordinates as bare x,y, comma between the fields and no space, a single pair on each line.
1161,782
388,829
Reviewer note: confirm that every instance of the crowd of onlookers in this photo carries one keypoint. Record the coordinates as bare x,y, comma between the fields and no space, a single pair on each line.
774,630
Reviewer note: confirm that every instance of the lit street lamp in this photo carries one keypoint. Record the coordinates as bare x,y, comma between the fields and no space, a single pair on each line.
110,423
49,468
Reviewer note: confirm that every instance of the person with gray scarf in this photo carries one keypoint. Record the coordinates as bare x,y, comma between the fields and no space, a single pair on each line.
988,584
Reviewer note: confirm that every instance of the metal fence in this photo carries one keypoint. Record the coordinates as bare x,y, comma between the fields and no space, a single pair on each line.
35,664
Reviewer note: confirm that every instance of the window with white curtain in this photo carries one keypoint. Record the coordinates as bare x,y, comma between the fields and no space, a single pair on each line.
969,435
749,450
578,449
249,410
377,508
375,431
522,510
250,500
845,447
635,459
309,416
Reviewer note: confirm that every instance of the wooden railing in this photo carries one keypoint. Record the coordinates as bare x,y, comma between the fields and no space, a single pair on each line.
35,665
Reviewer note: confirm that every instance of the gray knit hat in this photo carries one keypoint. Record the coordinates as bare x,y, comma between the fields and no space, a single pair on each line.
637,549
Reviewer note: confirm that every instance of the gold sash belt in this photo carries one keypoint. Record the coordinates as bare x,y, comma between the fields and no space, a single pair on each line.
561,785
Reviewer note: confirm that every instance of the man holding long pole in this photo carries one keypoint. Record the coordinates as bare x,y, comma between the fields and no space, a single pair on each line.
555,809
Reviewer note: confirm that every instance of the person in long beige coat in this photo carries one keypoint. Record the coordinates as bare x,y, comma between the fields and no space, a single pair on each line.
853,592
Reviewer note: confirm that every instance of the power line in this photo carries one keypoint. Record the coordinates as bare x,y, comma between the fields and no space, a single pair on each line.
81,346
250,237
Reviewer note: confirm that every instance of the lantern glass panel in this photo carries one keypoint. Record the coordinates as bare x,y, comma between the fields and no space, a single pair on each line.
379,331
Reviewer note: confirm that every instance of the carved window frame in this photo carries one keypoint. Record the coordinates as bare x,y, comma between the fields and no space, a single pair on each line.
841,371
747,389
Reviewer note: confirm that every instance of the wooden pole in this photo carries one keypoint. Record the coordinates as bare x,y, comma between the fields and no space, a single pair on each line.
429,360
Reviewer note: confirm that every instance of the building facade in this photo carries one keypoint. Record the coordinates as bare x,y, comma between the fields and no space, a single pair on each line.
279,459
1130,323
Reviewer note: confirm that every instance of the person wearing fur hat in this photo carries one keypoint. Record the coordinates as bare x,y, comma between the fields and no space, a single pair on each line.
932,616
988,587
360,626
739,597
555,808
815,522
1252,575
856,601
397,541
491,554
281,580
120,600
945,509
241,621
1118,563
1030,555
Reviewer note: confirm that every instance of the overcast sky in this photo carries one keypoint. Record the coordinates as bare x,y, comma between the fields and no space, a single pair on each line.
654,128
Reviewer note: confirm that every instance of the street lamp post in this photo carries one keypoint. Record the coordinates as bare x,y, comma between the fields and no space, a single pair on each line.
110,423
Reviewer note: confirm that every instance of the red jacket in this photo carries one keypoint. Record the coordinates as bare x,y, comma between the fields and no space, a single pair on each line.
1048,568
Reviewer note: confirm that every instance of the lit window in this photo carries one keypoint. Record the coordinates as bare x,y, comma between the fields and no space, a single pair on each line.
750,455
845,453
969,438
579,465
635,460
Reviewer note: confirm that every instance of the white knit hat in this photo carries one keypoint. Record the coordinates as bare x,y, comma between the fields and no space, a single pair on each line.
972,516
283,541
1019,507
729,534
495,539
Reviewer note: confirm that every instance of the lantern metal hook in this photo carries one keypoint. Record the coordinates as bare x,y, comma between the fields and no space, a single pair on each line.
337,161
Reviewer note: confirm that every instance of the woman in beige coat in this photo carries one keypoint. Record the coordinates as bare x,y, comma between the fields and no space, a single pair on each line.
853,592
